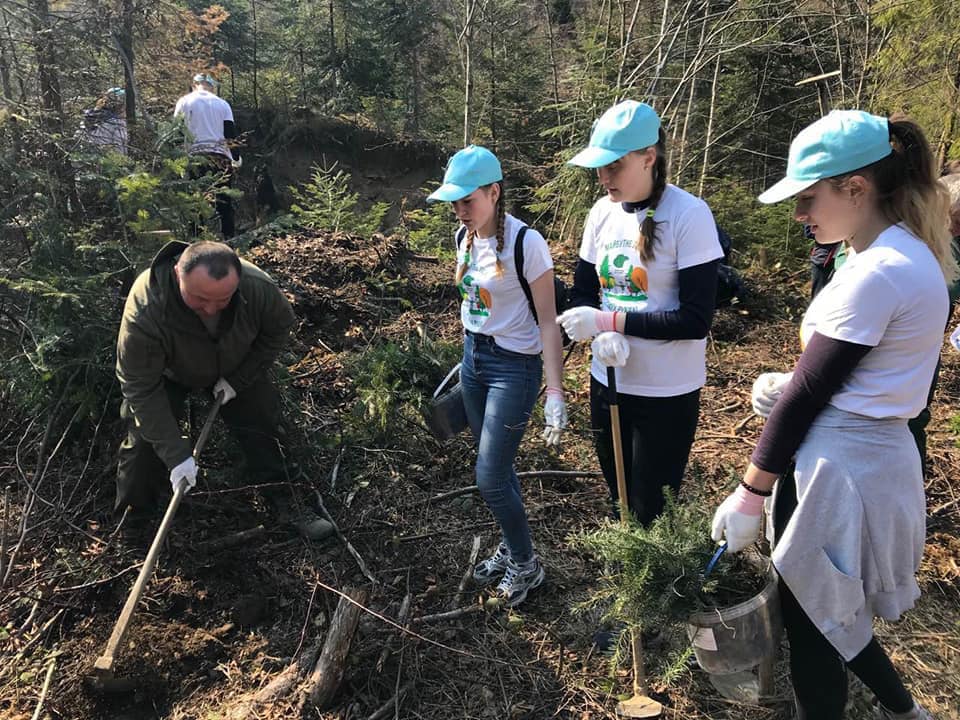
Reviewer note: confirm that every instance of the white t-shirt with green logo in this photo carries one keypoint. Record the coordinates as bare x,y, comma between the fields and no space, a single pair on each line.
892,296
686,237
496,305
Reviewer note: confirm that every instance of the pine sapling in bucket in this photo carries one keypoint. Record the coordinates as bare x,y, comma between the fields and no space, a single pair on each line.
654,575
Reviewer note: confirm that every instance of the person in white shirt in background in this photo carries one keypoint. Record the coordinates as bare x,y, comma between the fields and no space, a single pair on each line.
505,333
849,522
209,125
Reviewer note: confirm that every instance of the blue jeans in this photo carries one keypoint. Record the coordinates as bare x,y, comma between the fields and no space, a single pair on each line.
499,390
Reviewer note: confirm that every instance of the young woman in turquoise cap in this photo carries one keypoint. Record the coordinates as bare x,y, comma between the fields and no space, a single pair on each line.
646,286
502,366
849,522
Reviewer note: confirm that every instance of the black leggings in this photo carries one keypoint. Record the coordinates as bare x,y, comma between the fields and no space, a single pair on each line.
217,165
818,671
656,434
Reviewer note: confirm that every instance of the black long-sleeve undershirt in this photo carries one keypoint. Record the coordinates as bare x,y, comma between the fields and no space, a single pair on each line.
691,321
822,369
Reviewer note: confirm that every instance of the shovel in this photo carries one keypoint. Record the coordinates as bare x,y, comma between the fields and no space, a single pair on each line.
640,705
103,678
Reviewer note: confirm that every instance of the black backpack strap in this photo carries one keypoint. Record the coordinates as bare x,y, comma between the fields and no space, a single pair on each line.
518,264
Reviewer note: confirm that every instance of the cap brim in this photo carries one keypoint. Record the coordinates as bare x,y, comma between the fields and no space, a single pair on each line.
784,189
448,192
595,157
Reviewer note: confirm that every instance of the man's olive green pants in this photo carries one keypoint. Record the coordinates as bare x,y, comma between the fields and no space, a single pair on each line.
254,420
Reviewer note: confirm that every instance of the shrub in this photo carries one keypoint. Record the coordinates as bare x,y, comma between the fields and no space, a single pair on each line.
430,230
325,202
395,380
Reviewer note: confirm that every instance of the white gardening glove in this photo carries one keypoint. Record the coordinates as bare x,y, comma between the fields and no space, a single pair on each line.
185,473
582,323
955,338
611,349
236,163
738,519
226,389
555,415
767,389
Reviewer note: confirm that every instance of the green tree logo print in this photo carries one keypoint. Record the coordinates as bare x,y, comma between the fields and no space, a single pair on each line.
477,297
621,279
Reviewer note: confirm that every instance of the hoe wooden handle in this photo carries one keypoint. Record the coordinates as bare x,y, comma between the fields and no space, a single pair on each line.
104,665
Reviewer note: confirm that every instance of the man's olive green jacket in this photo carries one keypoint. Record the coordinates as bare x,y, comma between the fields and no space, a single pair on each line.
160,337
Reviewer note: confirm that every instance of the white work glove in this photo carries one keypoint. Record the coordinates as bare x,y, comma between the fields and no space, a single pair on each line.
224,388
236,163
611,349
738,519
767,389
185,473
955,338
555,415
582,323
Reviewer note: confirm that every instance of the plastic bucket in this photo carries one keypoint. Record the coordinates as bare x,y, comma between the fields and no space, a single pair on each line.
445,414
737,638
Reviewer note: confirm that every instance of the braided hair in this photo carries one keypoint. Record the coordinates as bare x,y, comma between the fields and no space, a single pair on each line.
501,211
472,234
648,228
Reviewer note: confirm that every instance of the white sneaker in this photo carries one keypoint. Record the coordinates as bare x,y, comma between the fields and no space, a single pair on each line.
917,713
492,569
518,580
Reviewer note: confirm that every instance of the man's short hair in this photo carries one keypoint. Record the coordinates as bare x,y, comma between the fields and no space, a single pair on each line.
216,257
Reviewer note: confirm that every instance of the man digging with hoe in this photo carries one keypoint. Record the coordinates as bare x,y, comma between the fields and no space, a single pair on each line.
202,319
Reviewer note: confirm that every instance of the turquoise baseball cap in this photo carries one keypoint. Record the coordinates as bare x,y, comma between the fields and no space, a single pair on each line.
839,143
469,169
629,125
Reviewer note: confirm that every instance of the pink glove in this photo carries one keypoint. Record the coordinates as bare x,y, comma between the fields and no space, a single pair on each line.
582,323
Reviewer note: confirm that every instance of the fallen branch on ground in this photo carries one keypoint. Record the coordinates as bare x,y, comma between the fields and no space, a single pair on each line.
403,618
336,529
449,615
384,710
278,688
324,681
468,573
526,474
237,538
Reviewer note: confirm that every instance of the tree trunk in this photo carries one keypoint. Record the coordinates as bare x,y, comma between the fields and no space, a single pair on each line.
5,72
468,71
626,37
415,73
11,48
493,84
553,62
681,165
303,78
253,18
51,119
331,38
713,103
126,47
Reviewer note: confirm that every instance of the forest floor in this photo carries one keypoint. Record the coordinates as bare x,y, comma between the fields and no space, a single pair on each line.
217,625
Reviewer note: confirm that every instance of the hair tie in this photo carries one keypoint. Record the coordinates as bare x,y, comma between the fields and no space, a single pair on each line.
651,212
